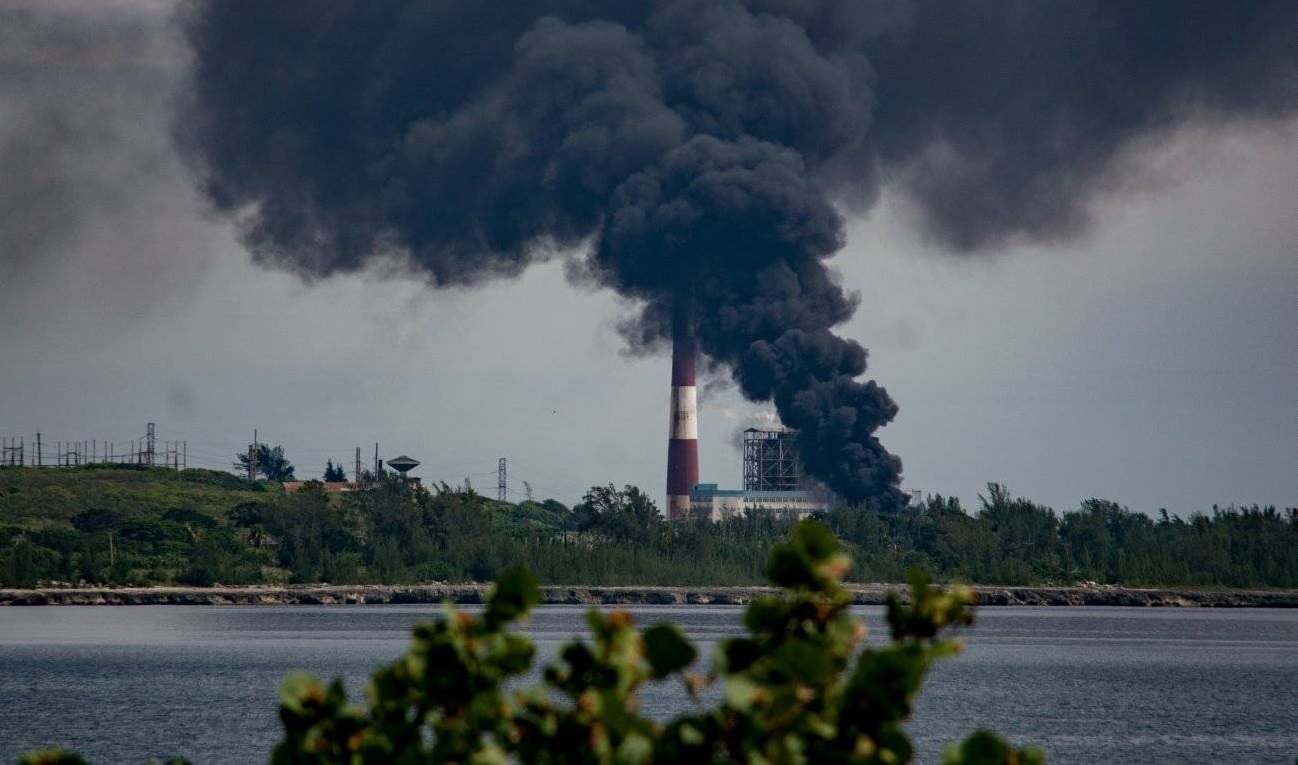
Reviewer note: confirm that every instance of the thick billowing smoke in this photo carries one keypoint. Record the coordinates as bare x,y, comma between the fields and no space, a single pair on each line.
703,148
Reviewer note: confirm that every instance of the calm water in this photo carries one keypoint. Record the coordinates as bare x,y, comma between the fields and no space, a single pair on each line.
1090,685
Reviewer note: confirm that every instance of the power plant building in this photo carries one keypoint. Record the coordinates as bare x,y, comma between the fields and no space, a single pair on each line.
773,483
772,479
714,504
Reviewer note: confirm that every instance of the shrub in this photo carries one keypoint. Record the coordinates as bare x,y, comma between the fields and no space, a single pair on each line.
798,688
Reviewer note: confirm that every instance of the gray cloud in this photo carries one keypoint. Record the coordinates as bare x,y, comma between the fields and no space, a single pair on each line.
97,217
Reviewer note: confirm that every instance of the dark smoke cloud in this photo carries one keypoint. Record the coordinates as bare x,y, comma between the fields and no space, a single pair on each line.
696,150
1005,121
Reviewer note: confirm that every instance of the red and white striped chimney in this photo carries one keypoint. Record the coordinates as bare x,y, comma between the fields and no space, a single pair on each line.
683,438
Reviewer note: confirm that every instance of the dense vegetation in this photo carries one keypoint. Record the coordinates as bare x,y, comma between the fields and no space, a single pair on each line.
802,686
141,526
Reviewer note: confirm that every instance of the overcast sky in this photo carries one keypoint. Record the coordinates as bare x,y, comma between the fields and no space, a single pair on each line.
1152,361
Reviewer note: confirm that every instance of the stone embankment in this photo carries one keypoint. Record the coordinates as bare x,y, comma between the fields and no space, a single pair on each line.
468,594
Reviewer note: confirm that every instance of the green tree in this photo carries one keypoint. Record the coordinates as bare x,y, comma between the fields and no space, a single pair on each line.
317,539
250,518
270,462
23,564
627,515
1027,536
334,474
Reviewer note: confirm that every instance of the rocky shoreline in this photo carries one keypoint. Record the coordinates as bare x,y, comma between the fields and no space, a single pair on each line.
469,594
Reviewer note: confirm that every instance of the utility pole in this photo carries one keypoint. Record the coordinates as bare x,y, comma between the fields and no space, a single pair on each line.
184,455
356,477
378,469
252,457
38,450
501,485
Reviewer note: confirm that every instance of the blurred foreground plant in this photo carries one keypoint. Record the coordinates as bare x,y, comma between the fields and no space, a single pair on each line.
798,688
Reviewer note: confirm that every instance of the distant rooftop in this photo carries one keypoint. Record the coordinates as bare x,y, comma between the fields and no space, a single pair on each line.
708,490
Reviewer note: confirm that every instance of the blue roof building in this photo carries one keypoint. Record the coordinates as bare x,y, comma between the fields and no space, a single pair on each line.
716,504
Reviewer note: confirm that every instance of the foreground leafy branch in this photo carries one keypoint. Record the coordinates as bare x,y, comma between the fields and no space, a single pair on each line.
798,687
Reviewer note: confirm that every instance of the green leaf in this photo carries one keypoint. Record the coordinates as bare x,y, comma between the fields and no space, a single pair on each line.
803,660
516,658
986,748
743,694
667,649
301,692
635,748
512,597
737,655
815,541
788,568
766,615
690,734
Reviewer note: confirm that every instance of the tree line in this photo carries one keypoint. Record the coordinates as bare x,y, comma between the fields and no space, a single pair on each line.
242,532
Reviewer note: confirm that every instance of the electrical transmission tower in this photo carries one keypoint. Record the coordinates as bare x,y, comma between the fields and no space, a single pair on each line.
148,446
13,452
502,486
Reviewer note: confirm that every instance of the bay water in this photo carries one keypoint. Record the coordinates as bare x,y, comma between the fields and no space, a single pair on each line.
1088,685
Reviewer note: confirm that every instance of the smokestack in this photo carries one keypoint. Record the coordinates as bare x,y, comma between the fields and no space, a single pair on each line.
683,437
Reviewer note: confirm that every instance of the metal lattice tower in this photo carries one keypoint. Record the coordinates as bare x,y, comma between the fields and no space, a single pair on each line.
770,463
149,447
502,486
13,452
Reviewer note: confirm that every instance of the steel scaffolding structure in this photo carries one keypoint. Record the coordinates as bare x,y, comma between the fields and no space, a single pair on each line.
770,462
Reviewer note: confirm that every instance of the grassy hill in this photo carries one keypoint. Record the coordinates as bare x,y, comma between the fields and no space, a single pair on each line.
37,497
127,524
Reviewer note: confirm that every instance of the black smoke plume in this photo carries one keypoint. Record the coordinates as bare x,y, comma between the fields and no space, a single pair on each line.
703,147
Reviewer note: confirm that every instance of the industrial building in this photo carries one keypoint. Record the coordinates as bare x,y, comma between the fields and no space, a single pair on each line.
772,480
773,483
708,501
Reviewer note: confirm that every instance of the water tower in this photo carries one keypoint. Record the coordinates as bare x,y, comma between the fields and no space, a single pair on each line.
403,465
